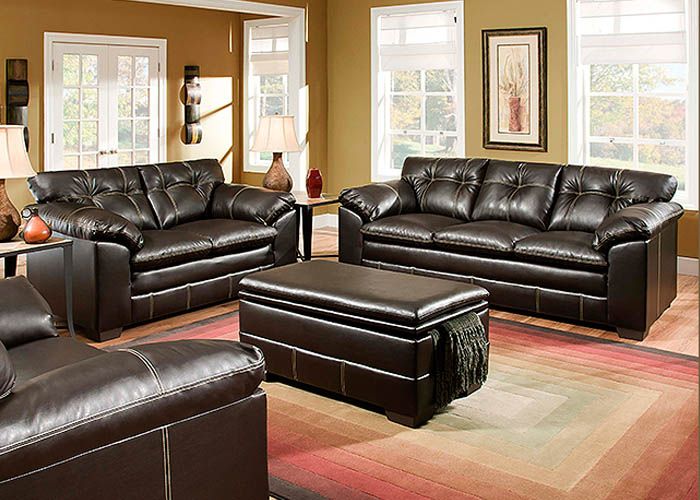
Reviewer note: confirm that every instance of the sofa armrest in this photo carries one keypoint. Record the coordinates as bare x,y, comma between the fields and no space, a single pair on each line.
636,222
380,199
91,223
254,204
115,396
24,314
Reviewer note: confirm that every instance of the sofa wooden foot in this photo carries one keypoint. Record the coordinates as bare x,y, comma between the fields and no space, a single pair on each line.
103,336
626,333
408,420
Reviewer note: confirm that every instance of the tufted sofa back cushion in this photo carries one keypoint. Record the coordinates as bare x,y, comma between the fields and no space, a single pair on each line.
180,191
587,195
445,186
517,192
118,190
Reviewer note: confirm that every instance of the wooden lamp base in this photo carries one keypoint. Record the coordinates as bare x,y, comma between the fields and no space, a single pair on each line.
9,217
277,178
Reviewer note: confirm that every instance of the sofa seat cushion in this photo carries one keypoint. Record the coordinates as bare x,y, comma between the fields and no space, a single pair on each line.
230,236
483,236
169,247
410,229
568,249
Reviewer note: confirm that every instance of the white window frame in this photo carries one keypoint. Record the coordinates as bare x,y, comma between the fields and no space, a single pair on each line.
579,94
51,93
380,85
296,92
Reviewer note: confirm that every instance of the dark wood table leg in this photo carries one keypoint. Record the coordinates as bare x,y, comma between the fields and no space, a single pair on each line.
68,283
307,222
10,266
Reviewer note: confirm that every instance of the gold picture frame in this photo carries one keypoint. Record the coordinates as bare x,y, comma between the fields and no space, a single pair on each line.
514,77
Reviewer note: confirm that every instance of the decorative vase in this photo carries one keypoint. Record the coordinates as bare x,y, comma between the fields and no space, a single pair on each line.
514,124
314,183
9,217
36,230
277,178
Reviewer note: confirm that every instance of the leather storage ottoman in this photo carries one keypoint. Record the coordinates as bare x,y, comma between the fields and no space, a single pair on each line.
356,331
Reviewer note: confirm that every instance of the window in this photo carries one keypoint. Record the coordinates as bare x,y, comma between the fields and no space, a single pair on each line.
633,101
104,102
417,84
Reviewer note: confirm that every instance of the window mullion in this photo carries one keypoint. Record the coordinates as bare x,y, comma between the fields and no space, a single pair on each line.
635,114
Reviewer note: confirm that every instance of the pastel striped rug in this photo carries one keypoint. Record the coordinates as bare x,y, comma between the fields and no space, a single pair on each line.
561,416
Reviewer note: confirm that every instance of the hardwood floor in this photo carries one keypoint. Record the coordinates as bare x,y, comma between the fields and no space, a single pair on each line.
676,330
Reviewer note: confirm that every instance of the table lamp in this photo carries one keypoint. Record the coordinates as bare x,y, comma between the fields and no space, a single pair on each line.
14,164
276,134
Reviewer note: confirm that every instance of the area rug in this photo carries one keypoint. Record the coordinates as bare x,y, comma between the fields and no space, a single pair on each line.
561,416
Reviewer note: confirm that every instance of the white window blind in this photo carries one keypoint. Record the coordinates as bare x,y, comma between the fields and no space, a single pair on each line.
632,31
426,40
269,46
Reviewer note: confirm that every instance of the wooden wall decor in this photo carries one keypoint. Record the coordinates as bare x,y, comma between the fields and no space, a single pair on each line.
17,95
193,98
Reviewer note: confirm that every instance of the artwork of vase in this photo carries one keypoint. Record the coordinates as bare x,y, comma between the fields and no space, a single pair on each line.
513,86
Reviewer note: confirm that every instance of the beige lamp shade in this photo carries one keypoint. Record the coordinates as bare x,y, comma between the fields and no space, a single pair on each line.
14,160
276,134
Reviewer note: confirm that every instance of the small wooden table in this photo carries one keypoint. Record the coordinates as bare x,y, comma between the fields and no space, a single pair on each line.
9,250
305,211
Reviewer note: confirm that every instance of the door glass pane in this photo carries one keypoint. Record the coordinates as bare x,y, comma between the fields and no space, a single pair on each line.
405,112
611,155
71,69
90,103
125,158
141,104
89,69
611,116
439,80
405,81
403,146
440,145
663,78
272,105
124,103
272,84
664,159
125,134
71,162
440,113
124,70
71,100
71,131
90,161
661,118
141,74
142,133
89,136
141,157
611,78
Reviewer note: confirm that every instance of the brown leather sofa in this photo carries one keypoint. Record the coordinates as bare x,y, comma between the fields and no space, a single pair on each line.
182,419
590,244
154,240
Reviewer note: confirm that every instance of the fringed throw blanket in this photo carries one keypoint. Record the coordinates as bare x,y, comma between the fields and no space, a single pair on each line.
461,353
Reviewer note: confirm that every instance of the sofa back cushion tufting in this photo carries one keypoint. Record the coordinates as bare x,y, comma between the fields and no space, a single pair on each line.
445,186
180,191
118,190
586,195
517,192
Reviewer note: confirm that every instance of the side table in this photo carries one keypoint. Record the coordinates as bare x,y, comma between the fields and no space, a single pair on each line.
305,212
9,250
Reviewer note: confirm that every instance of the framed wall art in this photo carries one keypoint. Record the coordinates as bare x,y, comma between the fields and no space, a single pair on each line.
514,63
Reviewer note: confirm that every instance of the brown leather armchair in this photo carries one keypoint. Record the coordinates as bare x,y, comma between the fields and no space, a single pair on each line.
588,244
182,419
154,240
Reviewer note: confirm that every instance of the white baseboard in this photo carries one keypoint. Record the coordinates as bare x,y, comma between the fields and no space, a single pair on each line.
688,266
326,220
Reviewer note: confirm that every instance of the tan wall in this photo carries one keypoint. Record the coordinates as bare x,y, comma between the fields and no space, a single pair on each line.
195,36
349,80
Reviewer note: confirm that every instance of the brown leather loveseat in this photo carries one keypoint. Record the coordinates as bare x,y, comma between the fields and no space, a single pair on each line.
153,240
583,243
183,419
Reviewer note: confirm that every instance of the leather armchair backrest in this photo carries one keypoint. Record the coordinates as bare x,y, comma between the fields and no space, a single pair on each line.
445,186
118,190
180,191
517,192
586,195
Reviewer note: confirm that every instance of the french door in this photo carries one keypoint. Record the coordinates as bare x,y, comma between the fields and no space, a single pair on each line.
104,106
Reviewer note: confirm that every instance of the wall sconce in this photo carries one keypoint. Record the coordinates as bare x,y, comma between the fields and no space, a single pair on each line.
17,95
193,98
